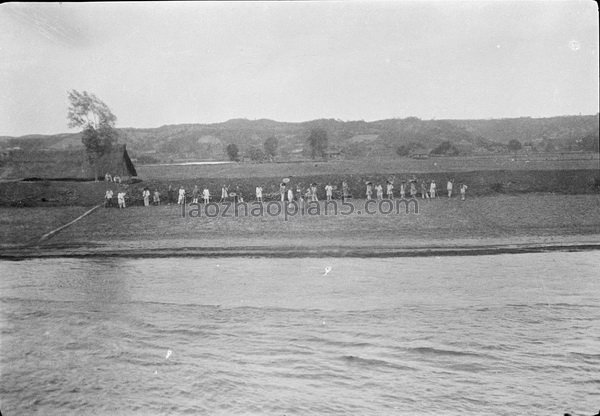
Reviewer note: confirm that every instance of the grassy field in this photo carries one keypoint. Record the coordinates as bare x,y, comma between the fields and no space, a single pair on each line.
27,225
441,222
395,166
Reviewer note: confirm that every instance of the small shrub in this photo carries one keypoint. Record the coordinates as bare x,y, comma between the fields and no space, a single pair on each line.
497,187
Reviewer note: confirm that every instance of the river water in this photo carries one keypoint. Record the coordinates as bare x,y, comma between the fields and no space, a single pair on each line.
515,334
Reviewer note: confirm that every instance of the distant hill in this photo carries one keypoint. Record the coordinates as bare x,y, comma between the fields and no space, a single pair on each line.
354,139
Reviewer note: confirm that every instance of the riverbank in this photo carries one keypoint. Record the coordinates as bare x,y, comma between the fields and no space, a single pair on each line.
482,225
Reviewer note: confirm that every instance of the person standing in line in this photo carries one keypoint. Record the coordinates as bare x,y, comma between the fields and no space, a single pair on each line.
282,191
413,189
402,190
108,198
290,195
299,196
238,194
345,193
313,193
181,199
206,195
424,193
463,192
224,194
379,190
259,194
195,194
121,199
432,189
449,187
308,194
156,197
146,195
369,190
170,195
328,191
390,189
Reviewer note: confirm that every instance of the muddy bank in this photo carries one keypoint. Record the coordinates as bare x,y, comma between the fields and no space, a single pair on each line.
482,225
190,248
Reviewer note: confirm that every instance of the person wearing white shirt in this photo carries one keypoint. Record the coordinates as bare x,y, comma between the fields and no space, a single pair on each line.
313,193
181,199
206,195
146,195
224,194
329,191
432,189
108,198
463,191
259,194
121,199
379,190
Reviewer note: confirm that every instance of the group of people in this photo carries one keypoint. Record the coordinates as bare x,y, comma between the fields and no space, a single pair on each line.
109,178
108,198
411,188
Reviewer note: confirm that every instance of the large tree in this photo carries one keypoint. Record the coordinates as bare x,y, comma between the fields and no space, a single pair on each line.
256,154
270,146
514,145
317,140
233,152
97,121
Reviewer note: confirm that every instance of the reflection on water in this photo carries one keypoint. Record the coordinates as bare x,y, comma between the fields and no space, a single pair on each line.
506,334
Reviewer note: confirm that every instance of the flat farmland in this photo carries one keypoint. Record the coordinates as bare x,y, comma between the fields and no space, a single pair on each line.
573,161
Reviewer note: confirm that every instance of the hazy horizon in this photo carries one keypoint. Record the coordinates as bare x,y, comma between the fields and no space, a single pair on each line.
168,63
74,131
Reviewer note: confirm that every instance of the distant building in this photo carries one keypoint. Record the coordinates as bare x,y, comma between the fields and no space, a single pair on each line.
332,154
420,155
65,165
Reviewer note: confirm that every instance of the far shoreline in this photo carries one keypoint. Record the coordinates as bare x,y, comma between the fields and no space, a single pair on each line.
293,252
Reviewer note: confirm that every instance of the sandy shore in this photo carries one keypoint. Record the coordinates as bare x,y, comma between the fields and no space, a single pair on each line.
486,225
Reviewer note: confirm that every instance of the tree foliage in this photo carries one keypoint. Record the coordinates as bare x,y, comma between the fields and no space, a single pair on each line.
87,110
590,143
445,148
256,154
317,140
233,152
514,145
403,150
270,146
93,115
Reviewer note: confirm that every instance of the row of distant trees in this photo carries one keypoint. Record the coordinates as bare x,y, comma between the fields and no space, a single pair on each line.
589,143
317,141
267,152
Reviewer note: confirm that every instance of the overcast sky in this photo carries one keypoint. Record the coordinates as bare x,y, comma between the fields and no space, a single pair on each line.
198,62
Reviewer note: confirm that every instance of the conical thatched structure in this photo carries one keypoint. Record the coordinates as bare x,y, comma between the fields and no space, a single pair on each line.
65,165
